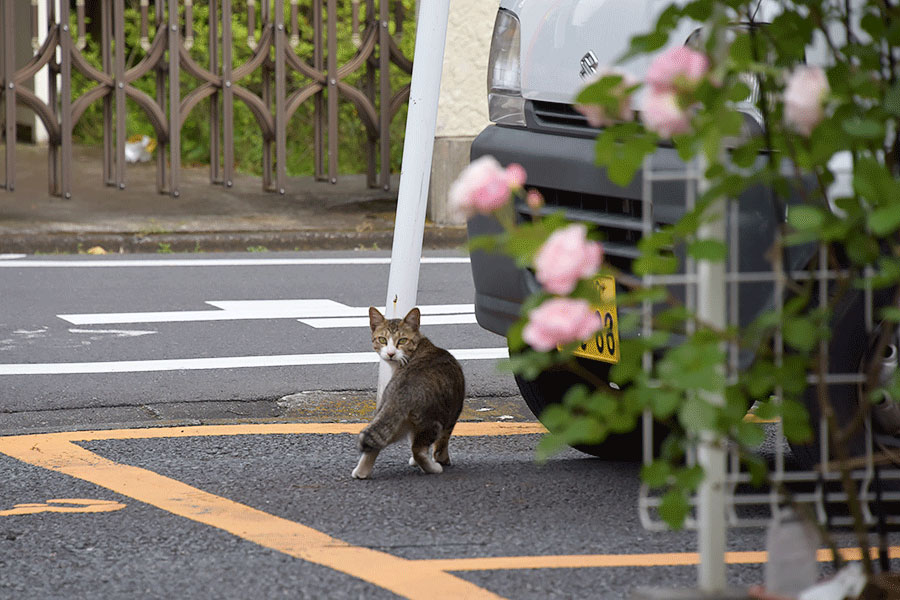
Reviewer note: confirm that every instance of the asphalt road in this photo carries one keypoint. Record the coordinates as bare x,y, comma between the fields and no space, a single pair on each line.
269,360
495,520
211,333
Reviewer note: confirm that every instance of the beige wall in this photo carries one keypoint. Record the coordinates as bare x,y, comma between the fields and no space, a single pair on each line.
462,108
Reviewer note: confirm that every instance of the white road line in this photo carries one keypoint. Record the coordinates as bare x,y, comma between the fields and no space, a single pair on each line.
14,263
114,332
228,310
336,322
12,256
227,362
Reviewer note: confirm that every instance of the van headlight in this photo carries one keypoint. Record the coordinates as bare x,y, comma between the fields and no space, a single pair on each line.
505,103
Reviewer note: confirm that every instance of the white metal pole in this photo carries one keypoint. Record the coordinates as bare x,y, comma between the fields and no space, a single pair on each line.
415,169
711,496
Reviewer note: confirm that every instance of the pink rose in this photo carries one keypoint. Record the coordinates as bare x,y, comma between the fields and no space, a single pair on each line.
515,175
482,187
534,199
599,116
566,257
804,99
560,321
677,65
664,115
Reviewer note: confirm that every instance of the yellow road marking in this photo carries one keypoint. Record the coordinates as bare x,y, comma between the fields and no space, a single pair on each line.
398,575
751,418
63,505
462,429
408,578
579,561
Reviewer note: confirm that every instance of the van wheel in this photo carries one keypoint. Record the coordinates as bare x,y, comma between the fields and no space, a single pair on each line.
550,387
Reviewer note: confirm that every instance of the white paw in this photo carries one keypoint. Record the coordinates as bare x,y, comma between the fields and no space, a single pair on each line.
412,461
434,468
359,474
429,466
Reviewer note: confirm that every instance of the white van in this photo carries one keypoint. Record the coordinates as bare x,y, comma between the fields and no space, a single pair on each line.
542,53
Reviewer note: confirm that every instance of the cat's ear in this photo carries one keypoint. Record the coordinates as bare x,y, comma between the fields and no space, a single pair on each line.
413,318
375,318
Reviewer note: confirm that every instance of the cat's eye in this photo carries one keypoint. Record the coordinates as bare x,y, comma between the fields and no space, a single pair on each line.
382,340
402,341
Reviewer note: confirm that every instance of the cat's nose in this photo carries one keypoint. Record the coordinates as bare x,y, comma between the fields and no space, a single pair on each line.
390,353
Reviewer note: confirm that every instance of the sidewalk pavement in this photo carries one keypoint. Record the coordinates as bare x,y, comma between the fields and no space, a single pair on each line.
311,215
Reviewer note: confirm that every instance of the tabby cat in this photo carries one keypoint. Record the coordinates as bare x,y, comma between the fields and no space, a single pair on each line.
422,400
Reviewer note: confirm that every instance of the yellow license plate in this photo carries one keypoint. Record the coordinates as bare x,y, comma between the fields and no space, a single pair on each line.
605,345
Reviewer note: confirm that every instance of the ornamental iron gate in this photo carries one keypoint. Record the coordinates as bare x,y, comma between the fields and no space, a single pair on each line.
288,80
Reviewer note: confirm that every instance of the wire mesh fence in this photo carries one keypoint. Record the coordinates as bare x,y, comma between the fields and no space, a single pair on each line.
808,474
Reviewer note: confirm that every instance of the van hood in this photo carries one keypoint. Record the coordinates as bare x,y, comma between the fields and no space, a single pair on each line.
556,35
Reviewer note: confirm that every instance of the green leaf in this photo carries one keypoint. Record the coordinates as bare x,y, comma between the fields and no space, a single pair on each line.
664,403
892,100
861,248
644,44
741,51
874,182
795,421
801,333
867,129
656,474
655,264
710,250
697,415
751,435
549,446
805,217
673,508
689,478
757,467
885,219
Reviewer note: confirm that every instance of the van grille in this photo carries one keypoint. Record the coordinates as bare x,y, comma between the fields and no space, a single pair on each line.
554,114
619,220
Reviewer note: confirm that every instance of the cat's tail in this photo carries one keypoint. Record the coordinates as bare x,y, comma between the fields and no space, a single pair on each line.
384,430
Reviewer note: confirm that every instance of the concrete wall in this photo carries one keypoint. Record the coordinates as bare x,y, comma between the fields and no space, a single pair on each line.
462,109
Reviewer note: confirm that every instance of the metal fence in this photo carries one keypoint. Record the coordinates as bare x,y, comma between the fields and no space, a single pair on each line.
735,502
289,80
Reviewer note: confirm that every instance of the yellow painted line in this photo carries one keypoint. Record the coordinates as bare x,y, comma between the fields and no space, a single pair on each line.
468,429
580,561
401,576
751,418
63,505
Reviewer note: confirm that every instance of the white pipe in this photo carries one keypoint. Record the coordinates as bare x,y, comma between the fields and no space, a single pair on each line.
415,169
711,495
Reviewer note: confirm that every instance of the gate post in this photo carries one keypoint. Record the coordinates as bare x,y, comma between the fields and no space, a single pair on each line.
174,39
9,90
415,170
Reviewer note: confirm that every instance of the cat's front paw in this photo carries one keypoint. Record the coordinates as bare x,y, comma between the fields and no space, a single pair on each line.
359,474
412,461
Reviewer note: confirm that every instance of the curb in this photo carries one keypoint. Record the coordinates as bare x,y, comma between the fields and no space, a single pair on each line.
435,237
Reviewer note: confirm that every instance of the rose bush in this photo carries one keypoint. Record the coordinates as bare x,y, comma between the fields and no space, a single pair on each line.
808,117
